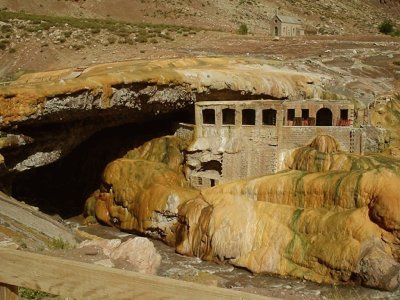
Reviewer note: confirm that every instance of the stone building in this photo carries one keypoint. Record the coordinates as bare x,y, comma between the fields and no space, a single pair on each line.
286,26
239,139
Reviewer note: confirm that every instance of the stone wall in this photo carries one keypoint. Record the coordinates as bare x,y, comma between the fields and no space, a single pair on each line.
349,138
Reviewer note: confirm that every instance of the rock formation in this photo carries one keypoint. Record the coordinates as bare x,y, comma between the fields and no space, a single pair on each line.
139,252
70,105
335,223
329,217
144,195
384,113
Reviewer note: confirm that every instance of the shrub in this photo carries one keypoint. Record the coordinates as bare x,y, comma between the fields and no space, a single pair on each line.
95,30
111,39
32,294
77,46
3,44
141,39
243,29
6,28
386,27
58,243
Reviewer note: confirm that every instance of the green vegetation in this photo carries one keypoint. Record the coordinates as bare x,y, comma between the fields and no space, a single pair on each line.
243,29
112,31
4,44
41,22
32,294
388,27
58,243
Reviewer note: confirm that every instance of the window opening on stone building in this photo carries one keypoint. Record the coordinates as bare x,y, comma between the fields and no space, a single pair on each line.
290,116
305,114
228,116
212,165
248,117
276,30
305,117
208,116
269,117
324,117
344,114
212,182
344,118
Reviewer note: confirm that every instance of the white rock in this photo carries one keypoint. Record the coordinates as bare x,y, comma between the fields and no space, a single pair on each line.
106,245
141,253
105,263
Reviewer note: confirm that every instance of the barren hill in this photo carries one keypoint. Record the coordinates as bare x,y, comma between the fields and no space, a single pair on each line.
342,38
323,16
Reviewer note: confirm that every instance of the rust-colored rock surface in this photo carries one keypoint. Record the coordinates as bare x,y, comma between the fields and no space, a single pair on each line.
337,223
315,244
144,195
71,105
384,113
42,94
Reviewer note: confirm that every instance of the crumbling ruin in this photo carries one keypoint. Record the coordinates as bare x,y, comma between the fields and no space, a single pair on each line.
240,139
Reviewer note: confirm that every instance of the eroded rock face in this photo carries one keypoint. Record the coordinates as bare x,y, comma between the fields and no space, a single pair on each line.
315,244
71,105
144,195
384,113
321,225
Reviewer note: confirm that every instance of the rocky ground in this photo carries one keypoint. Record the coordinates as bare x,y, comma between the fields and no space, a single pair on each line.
362,66
324,16
193,269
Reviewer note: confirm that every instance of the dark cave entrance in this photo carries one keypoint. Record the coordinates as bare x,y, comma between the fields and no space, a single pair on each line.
62,187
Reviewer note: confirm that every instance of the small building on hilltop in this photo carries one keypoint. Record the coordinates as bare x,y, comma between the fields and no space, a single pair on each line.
286,26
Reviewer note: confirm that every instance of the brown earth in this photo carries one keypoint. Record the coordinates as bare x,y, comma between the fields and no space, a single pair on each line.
368,65
327,16
354,55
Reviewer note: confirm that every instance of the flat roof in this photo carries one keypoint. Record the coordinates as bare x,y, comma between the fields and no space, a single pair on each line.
270,101
237,102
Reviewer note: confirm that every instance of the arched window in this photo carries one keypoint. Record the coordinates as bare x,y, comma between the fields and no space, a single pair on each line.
324,117
228,116
208,116
276,31
269,117
248,117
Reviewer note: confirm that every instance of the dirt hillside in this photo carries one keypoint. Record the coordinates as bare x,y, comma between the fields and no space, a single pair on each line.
342,39
324,16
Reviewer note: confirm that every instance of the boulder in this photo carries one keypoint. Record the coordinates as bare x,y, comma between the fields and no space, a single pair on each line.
140,253
107,246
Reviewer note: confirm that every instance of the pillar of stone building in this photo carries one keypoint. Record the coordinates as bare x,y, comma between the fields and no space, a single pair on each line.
335,114
218,116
